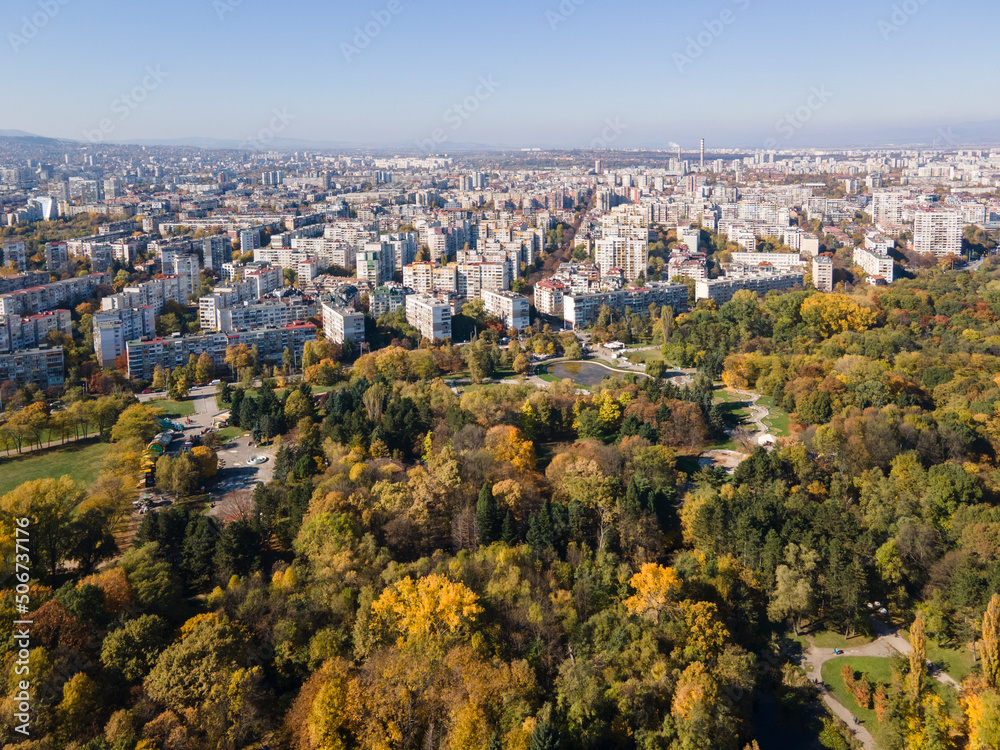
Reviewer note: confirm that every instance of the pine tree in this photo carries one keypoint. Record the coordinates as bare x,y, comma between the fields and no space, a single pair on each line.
509,533
488,525
495,742
545,737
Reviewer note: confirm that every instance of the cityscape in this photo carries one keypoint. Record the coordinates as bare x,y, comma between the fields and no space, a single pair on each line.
561,395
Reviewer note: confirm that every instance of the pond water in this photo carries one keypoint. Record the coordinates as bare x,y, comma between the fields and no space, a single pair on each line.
585,373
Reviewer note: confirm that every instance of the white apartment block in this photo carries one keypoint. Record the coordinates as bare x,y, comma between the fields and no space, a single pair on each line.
512,308
822,273
59,294
549,297
630,255
341,325
581,310
690,236
723,290
809,246
938,232
429,315
887,207
879,243
875,264
419,277
113,329
779,261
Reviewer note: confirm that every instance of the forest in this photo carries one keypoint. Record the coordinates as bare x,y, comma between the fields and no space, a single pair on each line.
524,568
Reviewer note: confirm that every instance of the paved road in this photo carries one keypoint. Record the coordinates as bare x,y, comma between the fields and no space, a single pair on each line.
757,416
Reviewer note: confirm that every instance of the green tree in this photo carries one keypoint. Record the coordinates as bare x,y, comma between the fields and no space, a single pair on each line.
131,651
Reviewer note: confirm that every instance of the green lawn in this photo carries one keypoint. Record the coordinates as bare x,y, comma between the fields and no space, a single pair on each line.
778,422
831,640
82,461
651,356
955,661
878,670
174,409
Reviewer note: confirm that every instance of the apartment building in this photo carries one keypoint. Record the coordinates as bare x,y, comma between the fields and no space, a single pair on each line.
512,308
386,299
822,272
429,315
18,334
43,367
56,256
875,264
113,328
938,232
549,295
59,294
144,356
723,290
581,310
18,281
342,325
267,313
154,293
778,261
630,255
15,252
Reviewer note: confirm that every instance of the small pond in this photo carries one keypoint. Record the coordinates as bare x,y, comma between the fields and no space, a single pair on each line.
586,373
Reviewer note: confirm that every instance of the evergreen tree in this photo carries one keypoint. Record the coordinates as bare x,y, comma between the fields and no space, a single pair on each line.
488,521
545,737
509,533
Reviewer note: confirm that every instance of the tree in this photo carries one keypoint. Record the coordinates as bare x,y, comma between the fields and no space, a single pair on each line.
239,549
131,651
522,365
990,647
918,658
50,504
93,537
488,520
153,581
137,422
208,461
79,708
427,612
205,368
161,378
545,737
792,598
655,588
180,386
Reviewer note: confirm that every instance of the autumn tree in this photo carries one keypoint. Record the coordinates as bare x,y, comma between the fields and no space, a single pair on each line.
655,588
430,611
990,646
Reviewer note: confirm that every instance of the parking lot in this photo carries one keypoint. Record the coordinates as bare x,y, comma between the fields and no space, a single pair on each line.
236,478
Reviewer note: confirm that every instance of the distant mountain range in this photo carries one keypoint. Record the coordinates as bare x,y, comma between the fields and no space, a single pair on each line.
958,135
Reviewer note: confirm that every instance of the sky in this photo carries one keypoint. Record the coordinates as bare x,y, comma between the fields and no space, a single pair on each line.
518,73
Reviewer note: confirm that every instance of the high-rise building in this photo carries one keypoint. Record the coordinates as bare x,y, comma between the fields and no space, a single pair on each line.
16,252
342,325
512,308
430,316
823,273
702,169
630,255
938,232
56,256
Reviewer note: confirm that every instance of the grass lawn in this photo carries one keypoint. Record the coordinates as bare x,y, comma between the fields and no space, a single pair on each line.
877,670
831,639
955,661
82,461
174,409
779,422
228,433
651,356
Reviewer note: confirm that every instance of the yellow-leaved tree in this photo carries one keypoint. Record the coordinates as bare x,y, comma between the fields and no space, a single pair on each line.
830,314
428,612
656,588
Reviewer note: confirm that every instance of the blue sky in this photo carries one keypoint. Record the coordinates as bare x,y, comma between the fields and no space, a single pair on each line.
739,72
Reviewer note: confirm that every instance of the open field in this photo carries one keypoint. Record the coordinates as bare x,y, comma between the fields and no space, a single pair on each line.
82,461
174,409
